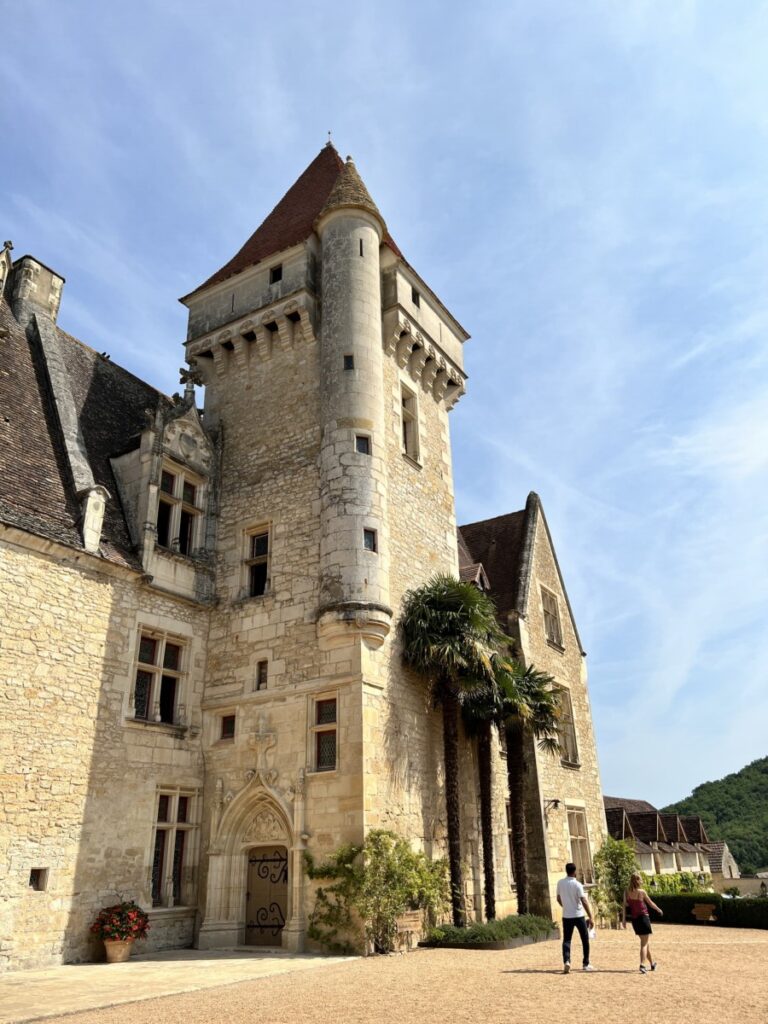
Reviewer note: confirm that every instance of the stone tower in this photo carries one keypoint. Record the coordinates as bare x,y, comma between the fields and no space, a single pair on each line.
329,369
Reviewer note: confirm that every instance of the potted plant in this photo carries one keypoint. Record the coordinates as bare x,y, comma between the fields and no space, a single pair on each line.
118,927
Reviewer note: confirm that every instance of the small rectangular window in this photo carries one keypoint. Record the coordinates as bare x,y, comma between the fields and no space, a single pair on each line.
324,735
276,274
262,675
349,362
361,247
552,630
363,444
325,712
569,753
38,879
410,423
577,826
228,727
326,751
415,297
369,540
257,563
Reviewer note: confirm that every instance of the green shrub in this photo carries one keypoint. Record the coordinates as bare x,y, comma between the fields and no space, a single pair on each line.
614,863
511,927
374,884
678,907
744,913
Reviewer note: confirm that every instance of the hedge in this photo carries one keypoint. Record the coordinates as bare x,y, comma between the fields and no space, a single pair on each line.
731,913
744,913
678,908
510,927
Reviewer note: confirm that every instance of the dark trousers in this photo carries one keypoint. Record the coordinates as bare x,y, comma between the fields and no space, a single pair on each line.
580,924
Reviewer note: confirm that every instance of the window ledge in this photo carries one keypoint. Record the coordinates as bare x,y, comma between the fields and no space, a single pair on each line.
181,911
416,463
571,765
322,771
167,727
555,646
266,597
196,558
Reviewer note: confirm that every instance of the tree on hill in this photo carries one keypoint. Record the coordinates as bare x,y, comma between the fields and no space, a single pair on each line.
735,809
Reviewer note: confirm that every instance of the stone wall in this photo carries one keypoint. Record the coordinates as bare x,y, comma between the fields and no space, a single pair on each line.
550,779
79,780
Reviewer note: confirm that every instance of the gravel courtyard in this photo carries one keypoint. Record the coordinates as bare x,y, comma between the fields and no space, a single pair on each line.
714,974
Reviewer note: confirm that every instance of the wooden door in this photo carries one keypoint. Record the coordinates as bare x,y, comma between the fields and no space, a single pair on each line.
267,895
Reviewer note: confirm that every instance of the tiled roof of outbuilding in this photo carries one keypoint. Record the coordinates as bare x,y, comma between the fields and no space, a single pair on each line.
292,220
630,806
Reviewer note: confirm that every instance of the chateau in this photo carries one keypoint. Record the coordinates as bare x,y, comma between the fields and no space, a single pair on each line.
199,648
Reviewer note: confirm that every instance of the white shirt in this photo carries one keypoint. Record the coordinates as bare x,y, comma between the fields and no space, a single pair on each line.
570,890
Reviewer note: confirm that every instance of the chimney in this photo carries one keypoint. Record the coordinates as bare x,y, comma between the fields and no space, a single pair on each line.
34,288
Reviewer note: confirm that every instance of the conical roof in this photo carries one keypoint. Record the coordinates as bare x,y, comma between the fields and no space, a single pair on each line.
350,190
328,182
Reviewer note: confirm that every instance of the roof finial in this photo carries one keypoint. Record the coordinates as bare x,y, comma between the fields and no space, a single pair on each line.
329,143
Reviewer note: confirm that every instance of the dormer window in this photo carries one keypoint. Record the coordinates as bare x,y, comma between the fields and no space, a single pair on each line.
178,510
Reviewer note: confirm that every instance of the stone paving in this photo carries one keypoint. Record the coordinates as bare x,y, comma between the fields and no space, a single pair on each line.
35,995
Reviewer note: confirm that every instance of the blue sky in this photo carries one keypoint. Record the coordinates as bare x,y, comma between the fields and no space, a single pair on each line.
584,184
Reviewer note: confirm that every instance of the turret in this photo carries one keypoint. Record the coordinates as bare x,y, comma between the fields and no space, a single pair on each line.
354,546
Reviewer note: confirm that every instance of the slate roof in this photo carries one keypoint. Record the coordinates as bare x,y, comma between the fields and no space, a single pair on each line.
37,492
327,180
498,545
504,547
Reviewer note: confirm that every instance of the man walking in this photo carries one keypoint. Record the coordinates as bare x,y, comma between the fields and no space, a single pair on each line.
577,914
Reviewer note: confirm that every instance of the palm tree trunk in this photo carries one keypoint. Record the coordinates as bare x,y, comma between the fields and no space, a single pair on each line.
515,769
450,706
486,818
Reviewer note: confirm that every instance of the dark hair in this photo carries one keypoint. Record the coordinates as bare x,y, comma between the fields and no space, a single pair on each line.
570,869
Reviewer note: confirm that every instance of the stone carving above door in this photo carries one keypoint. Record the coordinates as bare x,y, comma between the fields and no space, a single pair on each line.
265,827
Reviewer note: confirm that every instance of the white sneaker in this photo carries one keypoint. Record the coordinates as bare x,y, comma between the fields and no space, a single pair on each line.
589,967
566,968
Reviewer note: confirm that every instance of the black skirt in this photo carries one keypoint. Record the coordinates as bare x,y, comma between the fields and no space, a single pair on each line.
642,925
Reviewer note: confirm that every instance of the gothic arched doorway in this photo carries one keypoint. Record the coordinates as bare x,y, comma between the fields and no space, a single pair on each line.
266,895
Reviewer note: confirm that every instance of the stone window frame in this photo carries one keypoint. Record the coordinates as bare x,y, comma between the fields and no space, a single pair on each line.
261,680
578,837
258,529
410,435
168,889
178,507
224,735
550,610
158,670
316,728
569,746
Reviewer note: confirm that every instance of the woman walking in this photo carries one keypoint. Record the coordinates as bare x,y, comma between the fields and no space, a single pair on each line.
638,901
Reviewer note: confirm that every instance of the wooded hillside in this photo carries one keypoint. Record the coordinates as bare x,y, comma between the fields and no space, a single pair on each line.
735,809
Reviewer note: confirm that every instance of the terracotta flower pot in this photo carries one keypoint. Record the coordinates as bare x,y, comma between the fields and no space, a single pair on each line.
118,950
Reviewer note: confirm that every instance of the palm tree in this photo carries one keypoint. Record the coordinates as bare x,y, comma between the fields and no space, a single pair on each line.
530,707
451,635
